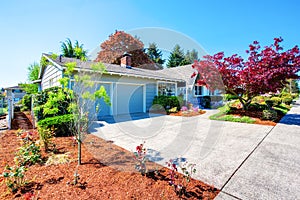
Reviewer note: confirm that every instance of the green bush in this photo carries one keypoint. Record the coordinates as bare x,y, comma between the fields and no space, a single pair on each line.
206,102
259,99
269,115
285,95
29,154
257,106
228,97
295,95
270,103
61,124
167,102
287,100
61,106
26,102
276,101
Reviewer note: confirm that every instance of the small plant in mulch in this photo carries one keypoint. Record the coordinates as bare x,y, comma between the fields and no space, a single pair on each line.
140,158
76,182
28,154
29,196
13,177
179,183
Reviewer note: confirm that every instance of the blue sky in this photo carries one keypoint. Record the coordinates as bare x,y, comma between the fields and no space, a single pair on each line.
29,28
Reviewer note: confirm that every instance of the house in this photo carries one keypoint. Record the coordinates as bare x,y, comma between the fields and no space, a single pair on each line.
131,90
15,92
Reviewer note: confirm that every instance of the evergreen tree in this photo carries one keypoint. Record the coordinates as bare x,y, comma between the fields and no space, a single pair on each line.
154,54
176,58
190,57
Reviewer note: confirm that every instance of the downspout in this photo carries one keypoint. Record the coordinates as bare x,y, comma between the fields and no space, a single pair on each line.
186,92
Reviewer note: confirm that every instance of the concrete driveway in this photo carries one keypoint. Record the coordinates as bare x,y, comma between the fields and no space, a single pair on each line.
245,161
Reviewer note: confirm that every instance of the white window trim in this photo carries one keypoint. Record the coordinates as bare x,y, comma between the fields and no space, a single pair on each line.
202,91
158,82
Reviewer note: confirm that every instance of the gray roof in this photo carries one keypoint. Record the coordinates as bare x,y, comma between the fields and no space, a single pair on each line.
179,74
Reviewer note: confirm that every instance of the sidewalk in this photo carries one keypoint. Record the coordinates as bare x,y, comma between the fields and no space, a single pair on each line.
272,171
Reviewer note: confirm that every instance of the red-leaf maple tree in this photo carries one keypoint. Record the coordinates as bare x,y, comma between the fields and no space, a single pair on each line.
119,43
265,70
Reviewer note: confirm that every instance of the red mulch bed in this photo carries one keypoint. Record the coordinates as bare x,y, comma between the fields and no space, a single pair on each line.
188,114
107,172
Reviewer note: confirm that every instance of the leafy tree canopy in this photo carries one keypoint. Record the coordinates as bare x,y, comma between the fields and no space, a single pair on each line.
73,51
119,43
265,70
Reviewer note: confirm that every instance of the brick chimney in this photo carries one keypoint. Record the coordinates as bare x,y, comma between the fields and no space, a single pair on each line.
126,60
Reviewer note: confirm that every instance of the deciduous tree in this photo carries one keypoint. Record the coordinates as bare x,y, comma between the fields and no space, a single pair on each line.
265,70
119,43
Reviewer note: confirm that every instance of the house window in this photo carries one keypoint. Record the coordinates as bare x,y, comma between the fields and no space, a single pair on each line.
198,90
211,93
166,88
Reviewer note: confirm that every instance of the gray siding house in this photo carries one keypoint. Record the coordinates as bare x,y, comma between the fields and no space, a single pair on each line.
131,90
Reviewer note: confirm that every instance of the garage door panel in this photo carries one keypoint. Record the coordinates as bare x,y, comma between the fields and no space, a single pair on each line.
129,99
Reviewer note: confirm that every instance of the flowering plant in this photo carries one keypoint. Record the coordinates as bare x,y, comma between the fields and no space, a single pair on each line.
180,184
140,158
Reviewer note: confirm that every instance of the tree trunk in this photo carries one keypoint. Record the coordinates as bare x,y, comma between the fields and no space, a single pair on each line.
79,148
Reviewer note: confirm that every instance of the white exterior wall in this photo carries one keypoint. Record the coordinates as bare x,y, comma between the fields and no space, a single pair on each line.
51,74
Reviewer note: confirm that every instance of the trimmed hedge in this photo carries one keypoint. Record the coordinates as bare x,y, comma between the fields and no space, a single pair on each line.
167,102
60,123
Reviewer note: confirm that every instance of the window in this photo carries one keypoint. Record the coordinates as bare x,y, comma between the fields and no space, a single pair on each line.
166,88
198,90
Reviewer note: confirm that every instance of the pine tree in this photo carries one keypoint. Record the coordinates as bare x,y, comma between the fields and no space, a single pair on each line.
176,58
190,57
154,54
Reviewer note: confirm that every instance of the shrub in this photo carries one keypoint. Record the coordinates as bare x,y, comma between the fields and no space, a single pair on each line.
28,154
61,124
14,177
287,100
228,97
46,136
167,101
257,106
55,99
285,95
26,102
269,115
270,103
206,102
258,99
295,95
276,101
